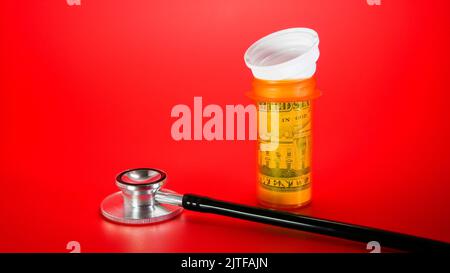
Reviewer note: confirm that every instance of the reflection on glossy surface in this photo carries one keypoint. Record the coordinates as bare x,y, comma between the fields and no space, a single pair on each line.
159,237
194,232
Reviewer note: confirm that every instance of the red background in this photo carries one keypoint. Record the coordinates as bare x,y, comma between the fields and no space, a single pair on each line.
86,91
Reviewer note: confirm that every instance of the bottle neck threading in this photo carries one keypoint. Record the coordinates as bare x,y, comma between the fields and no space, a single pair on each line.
284,90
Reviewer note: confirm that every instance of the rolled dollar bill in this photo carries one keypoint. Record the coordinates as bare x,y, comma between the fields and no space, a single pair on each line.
284,173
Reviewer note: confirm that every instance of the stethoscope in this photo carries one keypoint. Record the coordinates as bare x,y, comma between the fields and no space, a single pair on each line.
143,201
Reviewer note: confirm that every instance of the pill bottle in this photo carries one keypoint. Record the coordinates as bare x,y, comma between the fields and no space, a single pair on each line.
283,65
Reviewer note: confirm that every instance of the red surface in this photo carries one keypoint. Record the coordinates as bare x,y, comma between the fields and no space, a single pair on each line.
86,91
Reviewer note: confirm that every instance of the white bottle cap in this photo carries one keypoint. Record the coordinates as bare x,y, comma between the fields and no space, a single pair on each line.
283,55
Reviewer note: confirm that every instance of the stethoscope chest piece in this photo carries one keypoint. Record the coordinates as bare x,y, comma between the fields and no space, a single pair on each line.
136,203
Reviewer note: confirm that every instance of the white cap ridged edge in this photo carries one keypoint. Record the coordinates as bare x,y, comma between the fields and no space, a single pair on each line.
297,50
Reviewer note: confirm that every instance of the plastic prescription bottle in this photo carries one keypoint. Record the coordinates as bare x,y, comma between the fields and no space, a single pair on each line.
283,65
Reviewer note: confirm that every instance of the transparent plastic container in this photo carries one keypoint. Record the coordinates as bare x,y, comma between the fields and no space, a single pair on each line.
283,64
